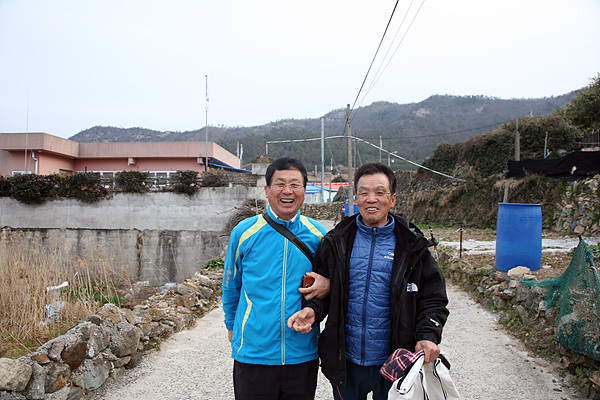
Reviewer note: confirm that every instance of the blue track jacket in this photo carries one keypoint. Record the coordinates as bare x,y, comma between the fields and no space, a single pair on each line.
262,275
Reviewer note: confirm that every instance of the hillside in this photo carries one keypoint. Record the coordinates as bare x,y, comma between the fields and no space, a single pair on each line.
413,130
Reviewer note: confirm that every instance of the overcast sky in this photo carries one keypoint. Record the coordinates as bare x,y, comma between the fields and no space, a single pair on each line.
68,65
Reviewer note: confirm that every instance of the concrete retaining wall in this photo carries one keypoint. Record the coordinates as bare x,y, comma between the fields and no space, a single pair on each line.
155,237
207,210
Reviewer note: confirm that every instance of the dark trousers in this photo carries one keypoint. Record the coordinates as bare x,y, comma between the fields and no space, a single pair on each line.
275,382
360,381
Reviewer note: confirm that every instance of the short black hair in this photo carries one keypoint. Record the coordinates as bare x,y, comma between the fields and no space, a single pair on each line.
376,168
284,164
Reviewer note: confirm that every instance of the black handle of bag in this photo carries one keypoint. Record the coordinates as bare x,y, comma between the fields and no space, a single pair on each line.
288,234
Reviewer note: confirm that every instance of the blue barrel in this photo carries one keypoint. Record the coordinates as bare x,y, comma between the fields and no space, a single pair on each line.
519,236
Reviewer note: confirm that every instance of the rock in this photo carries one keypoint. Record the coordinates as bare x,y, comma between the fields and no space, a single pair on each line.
134,361
513,284
518,272
56,346
124,339
11,396
97,337
205,292
111,313
40,358
595,378
91,374
201,280
120,362
14,374
522,313
156,314
579,229
129,315
94,319
74,355
184,290
190,301
36,388
57,377
75,393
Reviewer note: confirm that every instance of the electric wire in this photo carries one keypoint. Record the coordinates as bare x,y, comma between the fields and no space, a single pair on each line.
379,71
394,53
375,56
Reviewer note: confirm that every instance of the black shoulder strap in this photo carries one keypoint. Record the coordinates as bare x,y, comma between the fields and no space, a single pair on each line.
286,232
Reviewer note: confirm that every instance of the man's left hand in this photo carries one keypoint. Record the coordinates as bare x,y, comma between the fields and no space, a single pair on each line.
431,350
302,321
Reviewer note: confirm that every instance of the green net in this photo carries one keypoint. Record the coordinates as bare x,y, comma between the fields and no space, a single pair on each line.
576,295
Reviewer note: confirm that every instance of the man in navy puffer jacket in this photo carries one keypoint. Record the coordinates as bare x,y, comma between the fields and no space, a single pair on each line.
387,291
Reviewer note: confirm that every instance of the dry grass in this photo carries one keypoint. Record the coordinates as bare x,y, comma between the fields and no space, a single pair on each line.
29,267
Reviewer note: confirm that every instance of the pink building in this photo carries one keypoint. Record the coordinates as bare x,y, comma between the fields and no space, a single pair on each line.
44,154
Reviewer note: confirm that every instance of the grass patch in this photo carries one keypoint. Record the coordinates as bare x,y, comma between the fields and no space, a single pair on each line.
44,292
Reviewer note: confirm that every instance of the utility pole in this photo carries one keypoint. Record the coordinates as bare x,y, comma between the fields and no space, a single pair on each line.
380,147
322,160
350,168
206,119
517,143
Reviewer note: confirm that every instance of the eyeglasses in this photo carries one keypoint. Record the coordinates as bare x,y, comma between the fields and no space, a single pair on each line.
280,186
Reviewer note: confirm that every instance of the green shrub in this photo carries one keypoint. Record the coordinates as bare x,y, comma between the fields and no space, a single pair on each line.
132,181
5,187
59,185
86,187
186,182
216,264
31,188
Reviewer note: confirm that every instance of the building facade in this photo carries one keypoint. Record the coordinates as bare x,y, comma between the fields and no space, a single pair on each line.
45,154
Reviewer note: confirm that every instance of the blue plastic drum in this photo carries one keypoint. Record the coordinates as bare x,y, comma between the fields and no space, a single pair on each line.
519,236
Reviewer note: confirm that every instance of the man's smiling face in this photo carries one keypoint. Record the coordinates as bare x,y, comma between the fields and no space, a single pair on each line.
374,199
286,202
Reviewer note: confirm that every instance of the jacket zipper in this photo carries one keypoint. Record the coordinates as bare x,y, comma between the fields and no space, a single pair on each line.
283,275
368,280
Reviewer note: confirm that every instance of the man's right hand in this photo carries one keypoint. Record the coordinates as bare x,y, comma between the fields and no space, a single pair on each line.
229,335
319,289
302,321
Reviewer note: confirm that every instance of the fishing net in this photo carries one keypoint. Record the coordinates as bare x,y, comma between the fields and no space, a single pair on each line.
576,295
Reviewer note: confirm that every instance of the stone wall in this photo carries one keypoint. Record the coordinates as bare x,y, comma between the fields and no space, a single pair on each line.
579,210
81,360
521,310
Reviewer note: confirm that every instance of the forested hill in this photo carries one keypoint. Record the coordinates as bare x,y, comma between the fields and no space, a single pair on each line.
413,130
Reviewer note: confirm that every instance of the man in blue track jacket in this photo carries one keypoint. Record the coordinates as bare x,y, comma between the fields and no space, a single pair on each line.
263,271
387,291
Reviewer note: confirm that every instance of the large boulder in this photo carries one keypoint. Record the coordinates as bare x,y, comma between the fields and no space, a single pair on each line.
14,374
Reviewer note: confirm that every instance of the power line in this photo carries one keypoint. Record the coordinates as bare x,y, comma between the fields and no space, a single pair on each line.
370,144
394,53
375,56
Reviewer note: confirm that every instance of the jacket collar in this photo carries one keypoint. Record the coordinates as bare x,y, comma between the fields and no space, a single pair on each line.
278,219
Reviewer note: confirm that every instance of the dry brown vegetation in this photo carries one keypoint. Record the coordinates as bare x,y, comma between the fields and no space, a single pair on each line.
30,312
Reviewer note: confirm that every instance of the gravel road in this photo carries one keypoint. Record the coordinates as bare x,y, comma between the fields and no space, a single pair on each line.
486,363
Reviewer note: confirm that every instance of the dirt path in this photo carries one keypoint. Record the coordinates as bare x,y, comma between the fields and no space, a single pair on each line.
486,363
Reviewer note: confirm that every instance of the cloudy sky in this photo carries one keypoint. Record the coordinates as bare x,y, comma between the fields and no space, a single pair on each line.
68,65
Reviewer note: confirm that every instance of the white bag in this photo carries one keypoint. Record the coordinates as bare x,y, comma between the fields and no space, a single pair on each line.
429,381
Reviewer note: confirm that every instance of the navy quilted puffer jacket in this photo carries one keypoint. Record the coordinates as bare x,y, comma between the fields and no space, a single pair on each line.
368,319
